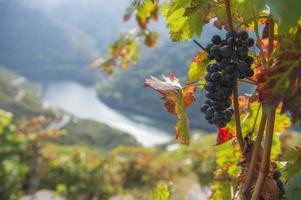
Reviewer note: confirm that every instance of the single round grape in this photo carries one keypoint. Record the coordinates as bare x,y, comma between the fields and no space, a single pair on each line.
243,51
226,51
210,95
228,92
242,75
220,95
218,115
221,66
228,114
231,33
216,39
229,68
250,42
213,68
249,72
243,35
226,120
221,125
208,102
231,41
216,76
215,50
208,77
228,77
208,47
226,103
277,174
249,60
242,67
209,86
204,107
209,113
226,59
218,58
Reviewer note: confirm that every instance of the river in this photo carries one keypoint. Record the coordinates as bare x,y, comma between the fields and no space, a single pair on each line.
82,102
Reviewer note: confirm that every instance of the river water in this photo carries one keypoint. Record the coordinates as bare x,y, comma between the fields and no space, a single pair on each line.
81,101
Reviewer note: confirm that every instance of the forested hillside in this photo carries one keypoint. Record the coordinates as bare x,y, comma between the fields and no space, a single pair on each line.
56,40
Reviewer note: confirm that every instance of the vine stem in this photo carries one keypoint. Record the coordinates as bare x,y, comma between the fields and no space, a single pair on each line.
264,168
235,89
255,152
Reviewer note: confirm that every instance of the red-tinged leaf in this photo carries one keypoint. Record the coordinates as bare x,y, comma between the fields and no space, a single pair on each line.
281,82
223,136
197,68
177,98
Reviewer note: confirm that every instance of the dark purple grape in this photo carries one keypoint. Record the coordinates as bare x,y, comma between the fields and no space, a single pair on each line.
208,77
231,41
204,107
276,175
243,51
221,66
209,86
228,114
209,113
226,51
226,103
249,72
249,60
216,39
219,58
218,115
208,47
220,94
231,33
216,76
243,35
228,92
215,50
213,68
221,125
229,68
210,95
208,102
250,42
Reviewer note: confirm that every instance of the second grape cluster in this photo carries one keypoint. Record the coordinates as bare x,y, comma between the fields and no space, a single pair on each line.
232,62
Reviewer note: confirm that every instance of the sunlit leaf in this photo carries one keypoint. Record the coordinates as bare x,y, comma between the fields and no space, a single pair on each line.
161,192
177,98
197,68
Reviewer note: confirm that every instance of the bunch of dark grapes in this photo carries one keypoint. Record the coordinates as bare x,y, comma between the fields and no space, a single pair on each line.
232,63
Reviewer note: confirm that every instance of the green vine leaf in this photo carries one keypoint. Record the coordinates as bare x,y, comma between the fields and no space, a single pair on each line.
185,18
161,192
197,68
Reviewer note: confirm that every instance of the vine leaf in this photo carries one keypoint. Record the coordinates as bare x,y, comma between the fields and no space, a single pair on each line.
186,18
223,136
282,82
197,68
177,98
